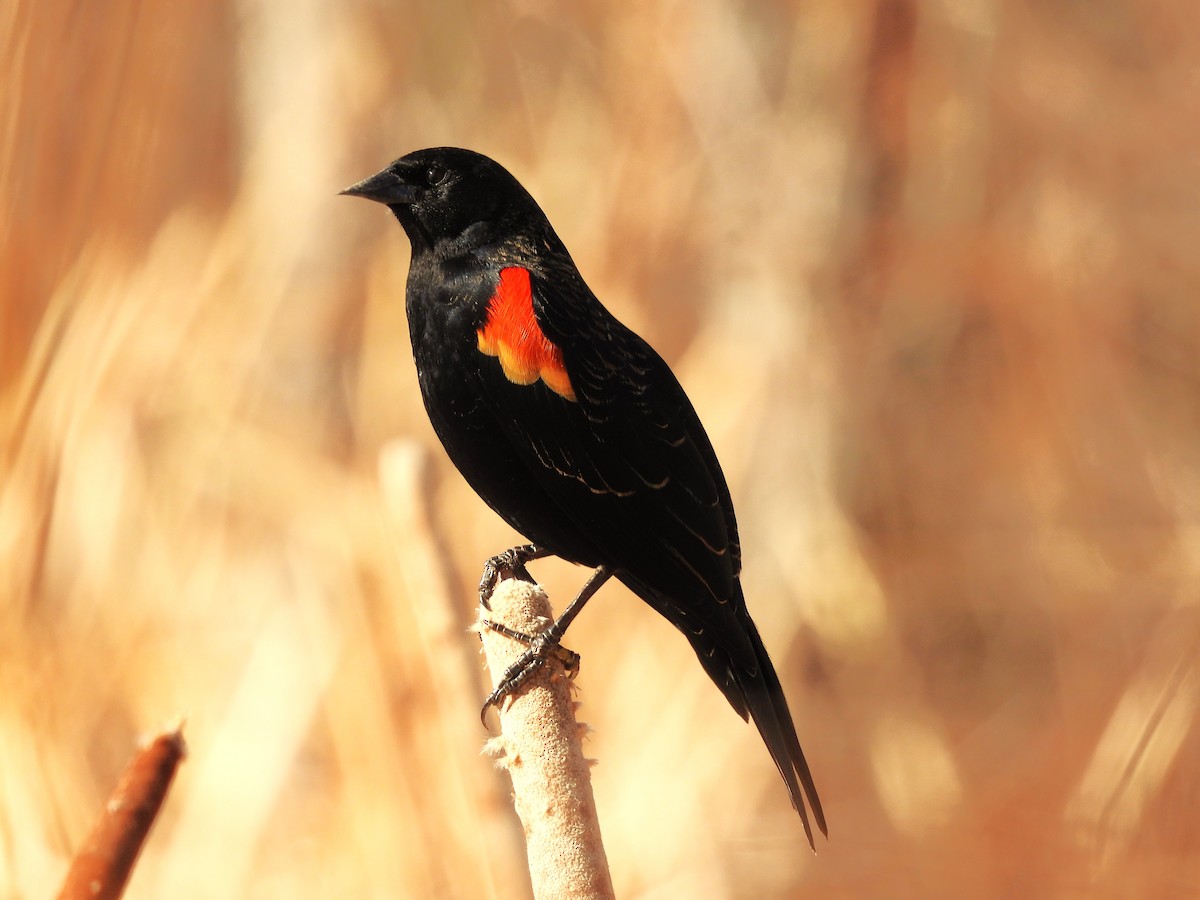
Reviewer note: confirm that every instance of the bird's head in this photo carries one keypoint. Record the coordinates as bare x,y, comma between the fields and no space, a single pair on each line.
450,200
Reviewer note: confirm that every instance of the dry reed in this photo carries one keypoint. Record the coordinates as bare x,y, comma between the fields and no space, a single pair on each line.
928,272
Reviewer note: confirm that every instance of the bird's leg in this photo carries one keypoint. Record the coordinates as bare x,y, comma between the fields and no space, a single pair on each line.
510,563
542,646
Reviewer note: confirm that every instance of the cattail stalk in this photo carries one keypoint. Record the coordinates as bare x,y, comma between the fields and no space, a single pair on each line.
541,747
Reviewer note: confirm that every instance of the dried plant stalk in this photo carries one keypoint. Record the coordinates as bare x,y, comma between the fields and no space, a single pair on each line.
103,864
540,745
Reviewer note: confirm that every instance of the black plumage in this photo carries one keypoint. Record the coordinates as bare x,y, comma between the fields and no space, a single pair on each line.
571,427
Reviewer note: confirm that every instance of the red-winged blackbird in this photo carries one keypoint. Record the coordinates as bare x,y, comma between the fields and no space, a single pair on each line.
572,428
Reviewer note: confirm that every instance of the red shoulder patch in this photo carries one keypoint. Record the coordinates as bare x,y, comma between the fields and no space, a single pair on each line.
511,333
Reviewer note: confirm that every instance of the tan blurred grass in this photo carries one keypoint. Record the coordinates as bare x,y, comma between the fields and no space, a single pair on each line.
928,273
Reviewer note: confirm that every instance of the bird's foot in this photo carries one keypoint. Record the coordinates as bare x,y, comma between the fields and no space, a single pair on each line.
509,564
542,647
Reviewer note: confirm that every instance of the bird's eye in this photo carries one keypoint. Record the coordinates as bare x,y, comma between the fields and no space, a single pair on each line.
435,175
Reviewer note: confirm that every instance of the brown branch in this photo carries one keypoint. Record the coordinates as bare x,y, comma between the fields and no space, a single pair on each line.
540,745
103,864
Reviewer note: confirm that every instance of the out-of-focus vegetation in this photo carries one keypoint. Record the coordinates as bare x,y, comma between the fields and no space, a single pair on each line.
928,271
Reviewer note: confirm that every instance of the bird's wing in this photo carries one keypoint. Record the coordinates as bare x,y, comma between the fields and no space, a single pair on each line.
607,431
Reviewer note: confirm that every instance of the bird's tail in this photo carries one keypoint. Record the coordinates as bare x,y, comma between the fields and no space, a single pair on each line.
736,660
769,710
756,694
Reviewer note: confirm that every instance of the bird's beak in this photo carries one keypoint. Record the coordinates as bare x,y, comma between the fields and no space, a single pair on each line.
383,187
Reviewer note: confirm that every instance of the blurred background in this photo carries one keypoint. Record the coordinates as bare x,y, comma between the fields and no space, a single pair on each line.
929,273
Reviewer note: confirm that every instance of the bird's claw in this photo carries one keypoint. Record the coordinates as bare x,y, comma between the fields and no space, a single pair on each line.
541,648
509,564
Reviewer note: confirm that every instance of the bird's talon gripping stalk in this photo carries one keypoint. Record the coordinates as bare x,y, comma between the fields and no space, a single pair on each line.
541,648
509,564
568,658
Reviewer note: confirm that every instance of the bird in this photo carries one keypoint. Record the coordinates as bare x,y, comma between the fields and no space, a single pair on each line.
574,431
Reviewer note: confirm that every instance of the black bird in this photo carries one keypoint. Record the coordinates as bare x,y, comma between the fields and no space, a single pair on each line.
573,429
